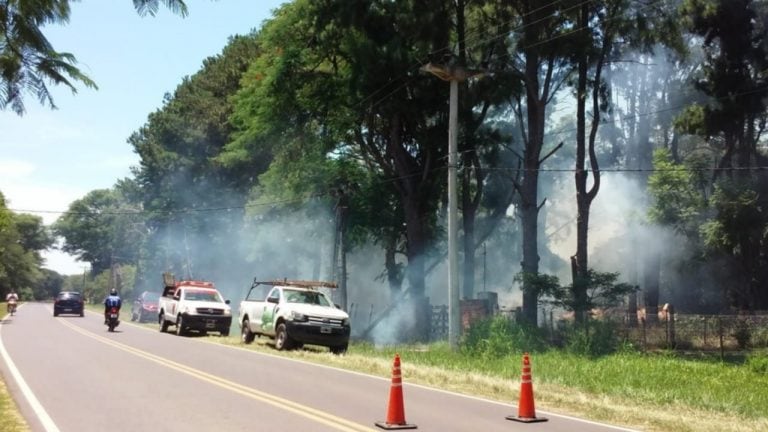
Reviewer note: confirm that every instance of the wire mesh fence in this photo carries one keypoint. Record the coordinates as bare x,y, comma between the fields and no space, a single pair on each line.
702,332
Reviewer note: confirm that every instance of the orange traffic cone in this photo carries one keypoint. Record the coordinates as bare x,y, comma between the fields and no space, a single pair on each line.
395,408
526,412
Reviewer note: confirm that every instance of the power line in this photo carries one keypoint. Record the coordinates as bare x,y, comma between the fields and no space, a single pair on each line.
184,210
382,181
415,68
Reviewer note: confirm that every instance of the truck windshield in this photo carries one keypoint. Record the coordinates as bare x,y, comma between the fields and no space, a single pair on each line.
211,296
307,297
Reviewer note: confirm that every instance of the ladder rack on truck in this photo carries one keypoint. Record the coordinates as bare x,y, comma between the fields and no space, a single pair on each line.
296,283
170,284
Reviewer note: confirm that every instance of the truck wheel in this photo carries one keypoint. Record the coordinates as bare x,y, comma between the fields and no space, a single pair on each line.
163,323
180,330
339,349
282,340
246,336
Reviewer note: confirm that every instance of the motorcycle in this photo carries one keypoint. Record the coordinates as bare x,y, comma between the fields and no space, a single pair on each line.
113,318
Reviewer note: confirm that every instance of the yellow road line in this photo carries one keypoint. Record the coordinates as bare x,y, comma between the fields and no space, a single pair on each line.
285,404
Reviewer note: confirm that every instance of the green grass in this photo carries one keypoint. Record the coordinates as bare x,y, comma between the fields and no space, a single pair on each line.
653,392
647,378
10,417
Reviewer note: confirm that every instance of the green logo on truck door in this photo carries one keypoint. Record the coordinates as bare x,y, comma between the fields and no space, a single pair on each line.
267,317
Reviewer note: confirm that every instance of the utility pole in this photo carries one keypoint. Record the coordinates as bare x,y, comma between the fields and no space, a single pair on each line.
85,269
339,260
342,215
454,74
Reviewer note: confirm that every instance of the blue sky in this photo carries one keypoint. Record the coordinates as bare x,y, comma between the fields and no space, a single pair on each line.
48,158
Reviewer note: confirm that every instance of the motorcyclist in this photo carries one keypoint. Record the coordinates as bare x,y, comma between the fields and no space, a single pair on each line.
112,300
11,298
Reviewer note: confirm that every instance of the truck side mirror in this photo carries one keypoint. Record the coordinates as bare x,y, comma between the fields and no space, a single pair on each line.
274,300
226,301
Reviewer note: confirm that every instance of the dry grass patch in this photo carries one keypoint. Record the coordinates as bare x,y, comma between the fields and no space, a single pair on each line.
10,417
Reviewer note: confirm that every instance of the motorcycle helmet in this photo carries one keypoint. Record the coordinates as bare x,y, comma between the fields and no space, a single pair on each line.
113,292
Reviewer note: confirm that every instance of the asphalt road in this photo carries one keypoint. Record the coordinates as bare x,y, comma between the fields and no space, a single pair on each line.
70,374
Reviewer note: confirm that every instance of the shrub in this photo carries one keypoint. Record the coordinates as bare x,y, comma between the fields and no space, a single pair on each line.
760,338
499,336
742,334
758,363
597,338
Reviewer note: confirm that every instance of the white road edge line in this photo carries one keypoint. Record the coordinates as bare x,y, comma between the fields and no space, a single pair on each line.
37,407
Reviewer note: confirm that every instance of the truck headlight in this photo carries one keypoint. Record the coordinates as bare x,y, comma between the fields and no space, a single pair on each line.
297,316
345,322
227,311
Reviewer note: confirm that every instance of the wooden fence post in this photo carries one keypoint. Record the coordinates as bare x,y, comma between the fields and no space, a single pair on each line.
705,331
720,333
672,343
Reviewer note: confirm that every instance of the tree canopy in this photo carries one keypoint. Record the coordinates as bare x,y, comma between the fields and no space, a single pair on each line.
319,136
28,61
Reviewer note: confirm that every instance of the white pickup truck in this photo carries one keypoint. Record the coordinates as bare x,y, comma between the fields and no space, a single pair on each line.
293,313
193,305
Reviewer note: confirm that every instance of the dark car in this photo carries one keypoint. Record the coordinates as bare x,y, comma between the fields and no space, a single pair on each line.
69,302
145,307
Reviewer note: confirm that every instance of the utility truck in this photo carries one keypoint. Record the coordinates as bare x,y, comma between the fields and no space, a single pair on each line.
293,313
192,305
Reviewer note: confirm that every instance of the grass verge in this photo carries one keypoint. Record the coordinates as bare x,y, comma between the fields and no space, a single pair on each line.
644,392
10,417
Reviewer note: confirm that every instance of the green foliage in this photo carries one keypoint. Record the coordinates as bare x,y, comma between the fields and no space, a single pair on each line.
499,337
22,238
542,284
122,279
181,178
150,7
738,211
602,291
28,61
663,382
758,363
595,338
50,284
676,200
102,228
743,334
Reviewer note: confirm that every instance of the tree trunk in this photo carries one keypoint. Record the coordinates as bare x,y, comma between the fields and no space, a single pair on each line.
415,270
394,277
579,267
584,195
529,190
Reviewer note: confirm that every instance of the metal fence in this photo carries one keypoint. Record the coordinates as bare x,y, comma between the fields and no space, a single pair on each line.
702,332
672,331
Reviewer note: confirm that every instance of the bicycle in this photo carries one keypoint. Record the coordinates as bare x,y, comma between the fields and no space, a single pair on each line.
12,308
